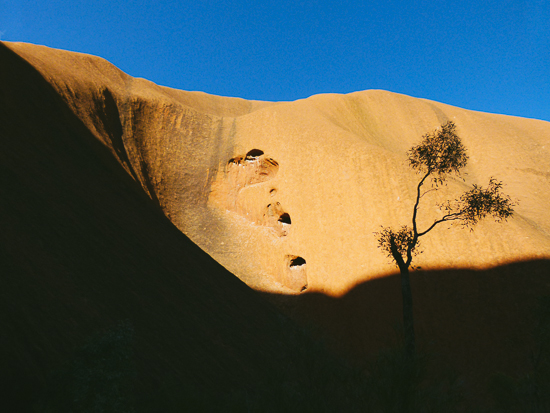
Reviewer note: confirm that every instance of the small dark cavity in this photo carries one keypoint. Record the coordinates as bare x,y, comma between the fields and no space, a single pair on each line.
285,219
254,154
296,262
236,160
272,161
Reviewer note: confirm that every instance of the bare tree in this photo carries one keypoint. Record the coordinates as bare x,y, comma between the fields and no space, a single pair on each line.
439,154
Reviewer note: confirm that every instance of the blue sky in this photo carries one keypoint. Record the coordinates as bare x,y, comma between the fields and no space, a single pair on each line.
491,56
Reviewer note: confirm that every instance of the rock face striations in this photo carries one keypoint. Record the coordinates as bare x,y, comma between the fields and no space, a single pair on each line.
287,195
104,303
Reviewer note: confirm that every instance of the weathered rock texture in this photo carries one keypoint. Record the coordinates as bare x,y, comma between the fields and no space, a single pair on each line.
265,188
82,248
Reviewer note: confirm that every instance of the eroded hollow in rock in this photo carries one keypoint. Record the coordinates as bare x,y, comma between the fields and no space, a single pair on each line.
285,218
236,160
276,218
265,169
297,262
250,169
295,276
254,154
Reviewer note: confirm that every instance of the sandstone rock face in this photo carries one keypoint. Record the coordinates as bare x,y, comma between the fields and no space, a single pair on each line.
287,195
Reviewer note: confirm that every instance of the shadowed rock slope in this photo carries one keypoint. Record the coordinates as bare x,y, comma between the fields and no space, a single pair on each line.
83,248
476,322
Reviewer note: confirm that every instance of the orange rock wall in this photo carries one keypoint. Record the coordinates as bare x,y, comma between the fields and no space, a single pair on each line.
272,190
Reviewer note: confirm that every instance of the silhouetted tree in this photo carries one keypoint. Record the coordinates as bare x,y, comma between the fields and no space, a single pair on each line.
439,154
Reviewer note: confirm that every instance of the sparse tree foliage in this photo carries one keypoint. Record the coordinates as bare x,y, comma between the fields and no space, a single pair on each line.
439,154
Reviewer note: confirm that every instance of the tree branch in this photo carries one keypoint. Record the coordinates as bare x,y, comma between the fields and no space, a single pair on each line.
449,217
414,241
429,190
418,196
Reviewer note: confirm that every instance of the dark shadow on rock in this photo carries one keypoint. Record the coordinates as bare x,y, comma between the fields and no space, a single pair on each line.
83,247
109,116
478,321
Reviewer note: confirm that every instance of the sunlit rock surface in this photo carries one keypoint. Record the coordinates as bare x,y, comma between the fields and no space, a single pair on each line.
287,195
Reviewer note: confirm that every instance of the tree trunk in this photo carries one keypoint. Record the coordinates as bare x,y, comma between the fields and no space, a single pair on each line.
408,320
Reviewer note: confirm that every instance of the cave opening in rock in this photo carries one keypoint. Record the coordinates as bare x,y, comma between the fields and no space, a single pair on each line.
285,219
297,262
236,160
254,154
295,277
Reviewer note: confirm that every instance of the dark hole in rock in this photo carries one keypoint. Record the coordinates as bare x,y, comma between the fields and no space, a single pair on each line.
236,160
285,219
296,262
254,154
303,288
295,276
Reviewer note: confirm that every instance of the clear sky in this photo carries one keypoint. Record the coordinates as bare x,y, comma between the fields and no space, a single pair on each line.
491,56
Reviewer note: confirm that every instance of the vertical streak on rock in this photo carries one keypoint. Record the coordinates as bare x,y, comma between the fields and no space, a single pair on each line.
130,111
